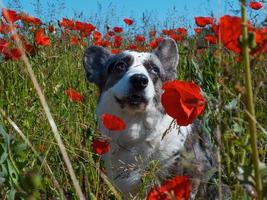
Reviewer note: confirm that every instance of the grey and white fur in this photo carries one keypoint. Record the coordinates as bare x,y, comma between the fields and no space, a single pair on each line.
130,88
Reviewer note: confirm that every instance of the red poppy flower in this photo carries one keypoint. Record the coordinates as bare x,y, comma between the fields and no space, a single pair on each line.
41,38
30,19
117,41
115,51
74,95
168,32
229,30
4,29
74,40
155,42
3,44
88,28
238,59
29,49
178,187
101,145
197,30
97,36
102,43
79,25
112,122
203,21
106,43
117,29
182,31
142,48
255,5
10,15
152,33
51,29
20,37
261,41
66,23
63,22
261,35
85,28
128,21
211,39
12,54
164,31
86,33
182,101
131,47
177,38
139,38
110,33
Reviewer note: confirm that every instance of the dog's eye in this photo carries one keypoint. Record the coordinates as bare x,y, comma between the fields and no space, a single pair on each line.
155,70
120,67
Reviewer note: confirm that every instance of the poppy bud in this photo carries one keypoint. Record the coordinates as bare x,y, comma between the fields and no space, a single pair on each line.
251,40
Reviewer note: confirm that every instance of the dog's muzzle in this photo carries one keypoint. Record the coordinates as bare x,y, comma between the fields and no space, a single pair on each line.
135,98
134,101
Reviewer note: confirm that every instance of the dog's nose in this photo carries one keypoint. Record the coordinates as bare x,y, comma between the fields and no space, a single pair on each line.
139,81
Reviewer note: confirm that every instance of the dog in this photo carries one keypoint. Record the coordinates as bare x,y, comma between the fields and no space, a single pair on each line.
130,88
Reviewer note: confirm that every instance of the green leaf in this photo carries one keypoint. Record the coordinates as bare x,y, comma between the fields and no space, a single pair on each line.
2,180
19,147
12,194
12,172
3,157
198,71
3,171
237,128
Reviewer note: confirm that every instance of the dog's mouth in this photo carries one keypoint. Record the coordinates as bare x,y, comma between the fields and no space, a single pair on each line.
133,101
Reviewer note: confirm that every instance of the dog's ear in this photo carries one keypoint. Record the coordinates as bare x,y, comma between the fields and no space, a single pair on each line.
167,52
94,61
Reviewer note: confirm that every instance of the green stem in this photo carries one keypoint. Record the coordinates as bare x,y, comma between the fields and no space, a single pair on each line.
250,103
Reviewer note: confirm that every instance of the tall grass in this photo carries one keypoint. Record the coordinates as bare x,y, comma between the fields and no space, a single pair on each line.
25,170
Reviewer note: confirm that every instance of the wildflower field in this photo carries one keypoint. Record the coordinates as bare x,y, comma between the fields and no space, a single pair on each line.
49,146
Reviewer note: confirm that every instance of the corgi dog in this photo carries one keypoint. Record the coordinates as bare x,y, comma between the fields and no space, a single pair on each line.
130,88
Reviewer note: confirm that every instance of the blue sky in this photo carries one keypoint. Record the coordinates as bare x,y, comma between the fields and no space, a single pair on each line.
158,12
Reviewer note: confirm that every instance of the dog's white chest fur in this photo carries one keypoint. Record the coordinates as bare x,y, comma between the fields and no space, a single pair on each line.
134,148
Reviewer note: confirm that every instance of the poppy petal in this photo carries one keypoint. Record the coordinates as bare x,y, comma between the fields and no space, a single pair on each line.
112,122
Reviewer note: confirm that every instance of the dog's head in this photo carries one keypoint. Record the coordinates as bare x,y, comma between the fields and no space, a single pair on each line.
132,79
